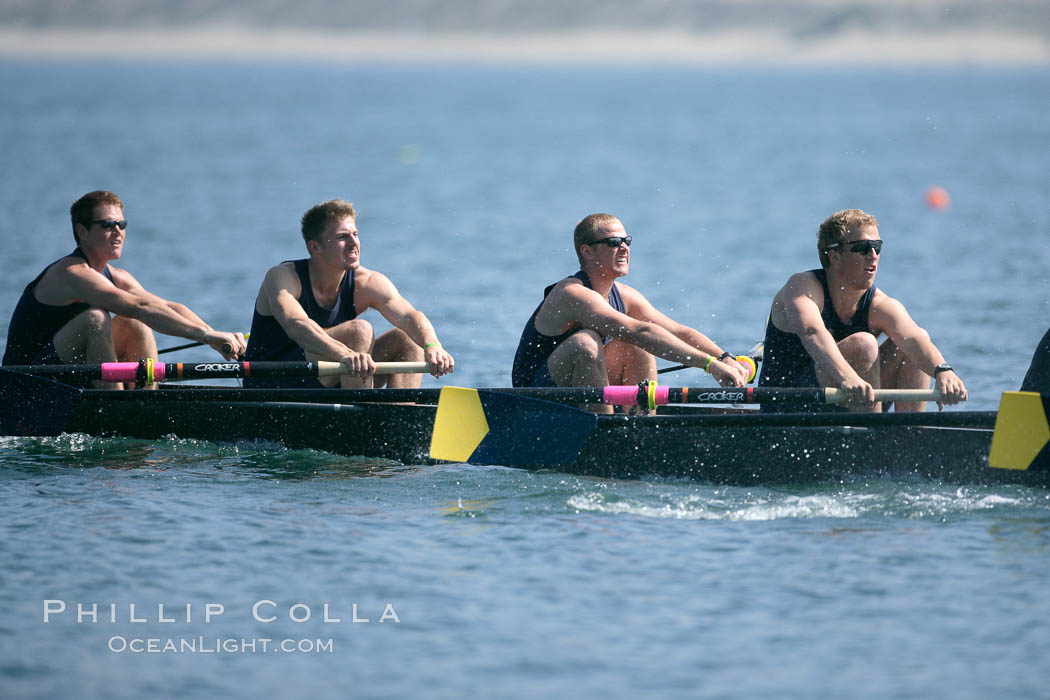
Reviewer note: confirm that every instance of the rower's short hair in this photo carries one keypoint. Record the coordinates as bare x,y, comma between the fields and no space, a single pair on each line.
840,227
318,216
587,230
83,210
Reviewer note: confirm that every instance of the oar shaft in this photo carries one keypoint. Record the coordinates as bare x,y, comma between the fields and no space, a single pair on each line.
162,371
660,395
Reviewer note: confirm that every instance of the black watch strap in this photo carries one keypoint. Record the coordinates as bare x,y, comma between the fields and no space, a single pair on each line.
943,367
725,355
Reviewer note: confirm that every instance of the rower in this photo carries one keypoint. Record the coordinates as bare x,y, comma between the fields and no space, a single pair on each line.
590,330
1038,376
824,325
309,308
81,309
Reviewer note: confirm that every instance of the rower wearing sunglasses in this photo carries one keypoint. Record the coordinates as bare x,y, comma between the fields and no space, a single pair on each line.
81,309
590,330
824,326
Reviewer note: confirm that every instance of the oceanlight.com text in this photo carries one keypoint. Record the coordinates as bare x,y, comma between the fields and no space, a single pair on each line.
218,645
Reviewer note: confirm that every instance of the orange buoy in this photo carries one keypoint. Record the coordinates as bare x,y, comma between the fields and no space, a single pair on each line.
937,198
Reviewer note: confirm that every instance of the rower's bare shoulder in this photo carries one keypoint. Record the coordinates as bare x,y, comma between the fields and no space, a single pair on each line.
281,277
801,285
366,277
883,306
802,281
569,290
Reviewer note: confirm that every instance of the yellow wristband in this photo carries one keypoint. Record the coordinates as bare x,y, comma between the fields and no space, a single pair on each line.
650,394
707,365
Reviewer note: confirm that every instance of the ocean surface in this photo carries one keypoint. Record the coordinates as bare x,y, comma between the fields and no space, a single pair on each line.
375,579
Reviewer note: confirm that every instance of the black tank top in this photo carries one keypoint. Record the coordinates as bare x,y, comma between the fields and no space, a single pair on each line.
33,324
1038,377
269,342
785,357
534,347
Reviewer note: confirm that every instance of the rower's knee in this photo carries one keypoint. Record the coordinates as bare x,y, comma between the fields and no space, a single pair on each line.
356,334
130,327
585,345
582,349
861,350
396,346
96,321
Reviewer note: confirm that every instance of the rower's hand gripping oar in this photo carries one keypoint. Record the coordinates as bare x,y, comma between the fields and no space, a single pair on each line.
227,348
1022,432
490,426
751,359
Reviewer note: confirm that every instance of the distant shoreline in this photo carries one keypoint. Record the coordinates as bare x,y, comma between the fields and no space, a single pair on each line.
724,48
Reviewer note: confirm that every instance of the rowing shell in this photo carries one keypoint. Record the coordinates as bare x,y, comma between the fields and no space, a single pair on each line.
710,445
719,445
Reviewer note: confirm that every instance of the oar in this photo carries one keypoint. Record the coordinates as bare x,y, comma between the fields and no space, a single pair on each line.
34,405
752,358
485,426
149,371
1022,433
199,343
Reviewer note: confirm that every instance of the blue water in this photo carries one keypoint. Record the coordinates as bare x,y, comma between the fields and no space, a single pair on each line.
507,583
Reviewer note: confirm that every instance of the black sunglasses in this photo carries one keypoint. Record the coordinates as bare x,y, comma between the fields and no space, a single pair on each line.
862,247
111,223
613,241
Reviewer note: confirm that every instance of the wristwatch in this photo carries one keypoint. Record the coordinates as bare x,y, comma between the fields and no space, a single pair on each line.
943,367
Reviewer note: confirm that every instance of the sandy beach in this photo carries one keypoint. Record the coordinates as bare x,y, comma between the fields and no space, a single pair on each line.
759,47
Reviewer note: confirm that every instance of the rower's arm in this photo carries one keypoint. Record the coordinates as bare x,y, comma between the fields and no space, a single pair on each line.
378,292
889,315
229,345
126,297
592,311
279,295
641,308
128,282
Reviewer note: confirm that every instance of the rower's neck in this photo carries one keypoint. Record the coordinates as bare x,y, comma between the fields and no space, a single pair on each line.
844,297
601,283
96,261
325,277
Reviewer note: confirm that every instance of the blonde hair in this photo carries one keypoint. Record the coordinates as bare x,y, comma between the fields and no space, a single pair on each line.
838,228
587,229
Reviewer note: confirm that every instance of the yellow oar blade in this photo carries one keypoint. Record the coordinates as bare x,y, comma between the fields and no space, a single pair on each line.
1022,433
459,426
493,427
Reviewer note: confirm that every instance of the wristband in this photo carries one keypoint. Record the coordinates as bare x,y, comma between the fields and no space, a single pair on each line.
429,344
707,365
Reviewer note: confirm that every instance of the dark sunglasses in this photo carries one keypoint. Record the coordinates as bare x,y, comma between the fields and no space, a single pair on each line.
613,241
111,223
861,247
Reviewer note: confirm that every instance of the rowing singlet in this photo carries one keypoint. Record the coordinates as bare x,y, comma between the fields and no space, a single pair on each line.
33,324
785,359
268,342
534,347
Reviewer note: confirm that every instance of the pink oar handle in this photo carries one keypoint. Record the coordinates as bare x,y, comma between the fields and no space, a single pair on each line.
628,395
128,371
